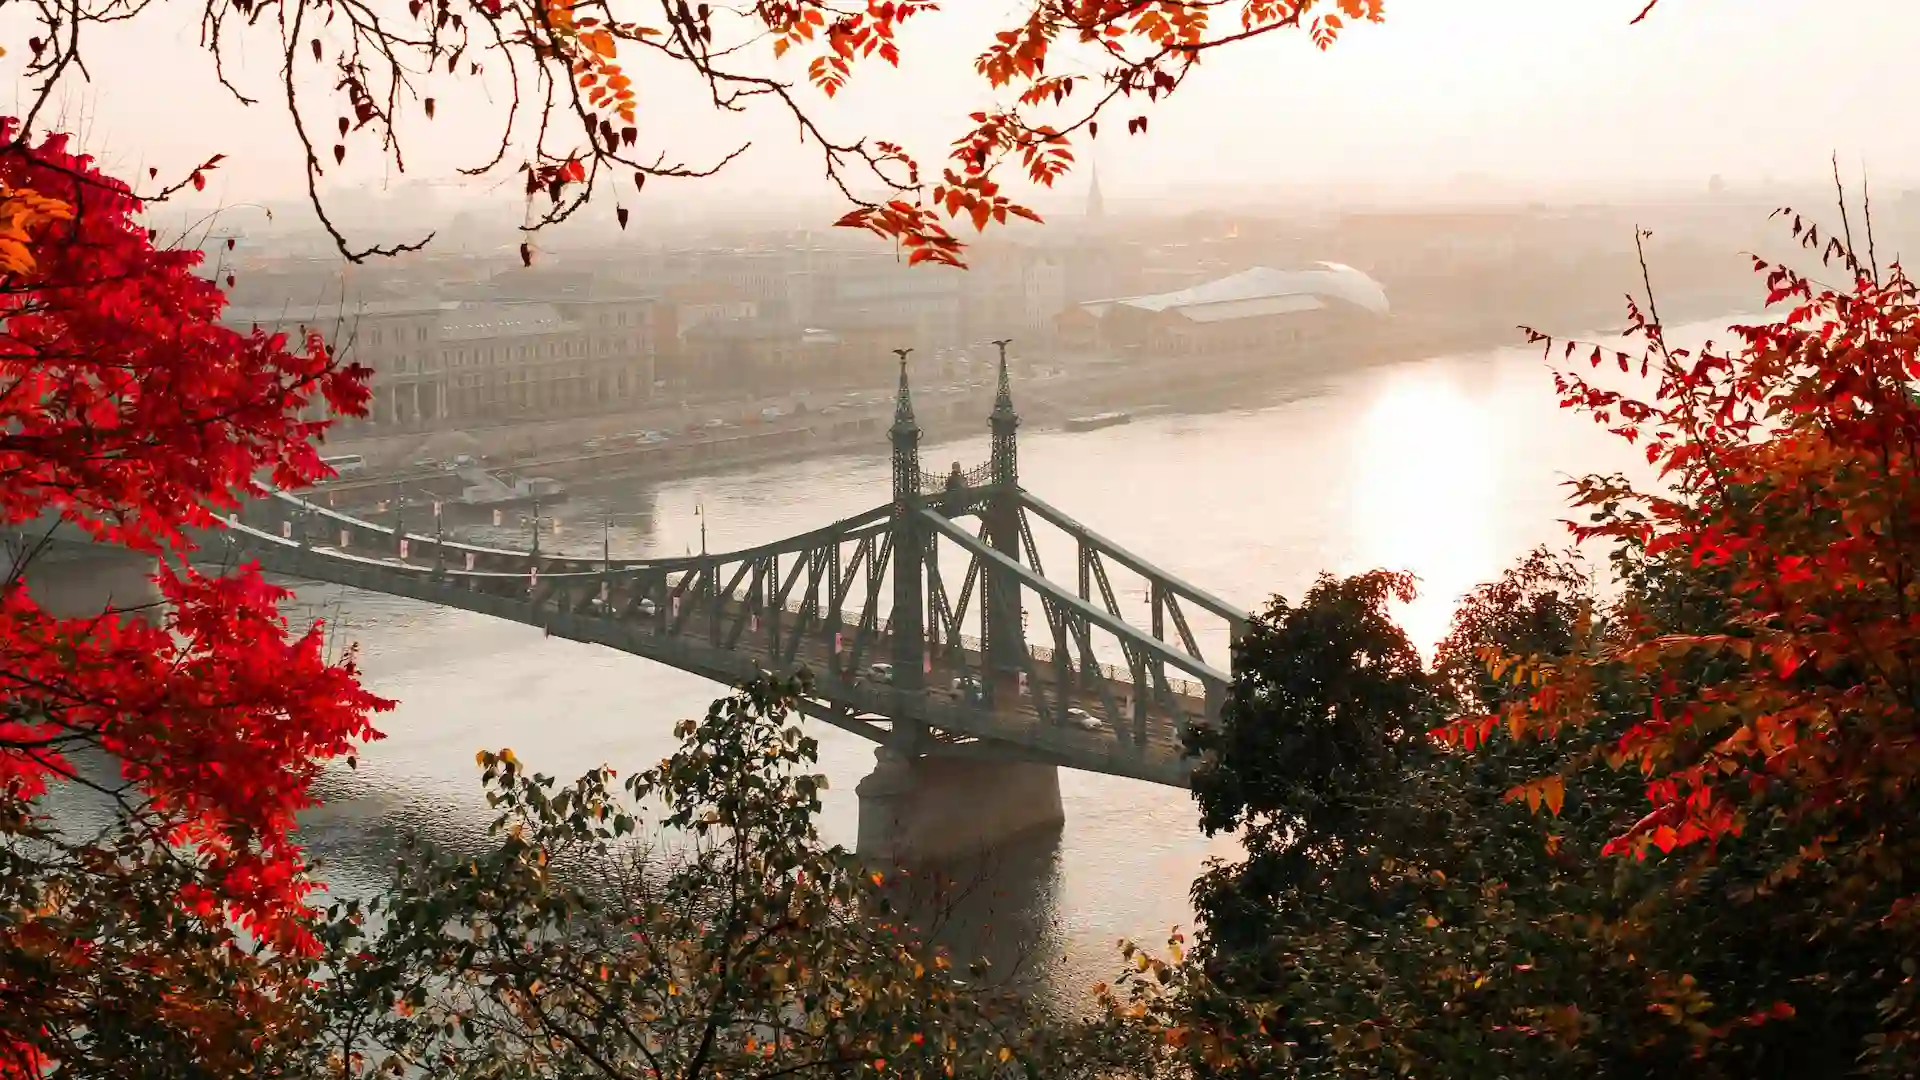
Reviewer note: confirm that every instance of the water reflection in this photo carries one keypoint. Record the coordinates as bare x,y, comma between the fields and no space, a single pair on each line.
1423,493
1002,906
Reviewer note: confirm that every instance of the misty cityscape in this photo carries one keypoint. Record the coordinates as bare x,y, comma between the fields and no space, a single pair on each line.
465,337
1069,540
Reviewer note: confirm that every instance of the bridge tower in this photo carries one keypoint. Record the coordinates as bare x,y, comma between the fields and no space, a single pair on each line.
1006,645
913,804
908,624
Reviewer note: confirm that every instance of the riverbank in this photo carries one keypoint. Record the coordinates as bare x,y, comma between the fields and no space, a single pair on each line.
1082,386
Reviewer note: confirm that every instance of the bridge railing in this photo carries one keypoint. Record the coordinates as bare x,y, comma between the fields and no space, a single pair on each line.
934,482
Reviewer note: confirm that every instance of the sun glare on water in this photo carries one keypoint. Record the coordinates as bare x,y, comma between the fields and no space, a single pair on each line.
1424,496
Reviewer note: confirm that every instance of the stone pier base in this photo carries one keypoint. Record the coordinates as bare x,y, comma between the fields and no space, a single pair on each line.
74,581
932,808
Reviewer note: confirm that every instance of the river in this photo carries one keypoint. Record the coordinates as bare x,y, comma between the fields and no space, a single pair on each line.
1449,468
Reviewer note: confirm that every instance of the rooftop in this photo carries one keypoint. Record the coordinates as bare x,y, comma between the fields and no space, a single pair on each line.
762,328
475,321
1259,291
323,315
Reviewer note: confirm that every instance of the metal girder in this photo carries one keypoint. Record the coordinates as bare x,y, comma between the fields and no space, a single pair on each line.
868,627
1137,564
294,505
949,617
1172,603
1164,590
1053,714
1194,666
1094,572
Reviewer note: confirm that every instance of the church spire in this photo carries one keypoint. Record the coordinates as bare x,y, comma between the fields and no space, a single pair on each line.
1096,205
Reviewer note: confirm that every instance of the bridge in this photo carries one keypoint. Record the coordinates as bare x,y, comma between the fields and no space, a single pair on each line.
915,618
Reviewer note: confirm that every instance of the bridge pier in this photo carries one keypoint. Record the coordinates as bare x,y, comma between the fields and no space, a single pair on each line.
916,808
71,577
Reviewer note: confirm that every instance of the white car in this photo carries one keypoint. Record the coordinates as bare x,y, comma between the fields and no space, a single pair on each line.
1081,719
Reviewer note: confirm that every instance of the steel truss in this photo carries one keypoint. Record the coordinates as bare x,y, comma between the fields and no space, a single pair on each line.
916,618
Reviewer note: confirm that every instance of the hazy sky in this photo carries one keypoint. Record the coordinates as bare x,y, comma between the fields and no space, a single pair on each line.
1527,92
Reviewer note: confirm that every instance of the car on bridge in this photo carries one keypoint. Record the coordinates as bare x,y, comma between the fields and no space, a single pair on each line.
881,673
1083,720
968,688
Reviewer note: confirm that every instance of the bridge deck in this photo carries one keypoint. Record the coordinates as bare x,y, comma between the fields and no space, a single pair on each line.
850,700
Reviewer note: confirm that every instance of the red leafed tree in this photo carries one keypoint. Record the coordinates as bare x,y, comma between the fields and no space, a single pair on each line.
1761,670
178,930
1790,468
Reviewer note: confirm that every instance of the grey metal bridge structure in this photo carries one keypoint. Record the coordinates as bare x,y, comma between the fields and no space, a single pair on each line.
913,617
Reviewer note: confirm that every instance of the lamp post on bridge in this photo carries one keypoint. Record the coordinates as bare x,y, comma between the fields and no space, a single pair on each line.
606,557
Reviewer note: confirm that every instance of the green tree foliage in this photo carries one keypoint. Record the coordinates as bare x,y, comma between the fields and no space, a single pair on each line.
1758,676
746,949
1327,703
1398,911
1365,932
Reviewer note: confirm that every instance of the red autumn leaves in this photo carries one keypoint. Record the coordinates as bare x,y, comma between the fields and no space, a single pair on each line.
1788,464
130,410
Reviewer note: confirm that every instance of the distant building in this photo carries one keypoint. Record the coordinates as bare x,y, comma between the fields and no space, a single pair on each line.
442,363
1258,308
620,334
528,358
399,341
881,291
700,302
219,253
1043,292
757,352
849,356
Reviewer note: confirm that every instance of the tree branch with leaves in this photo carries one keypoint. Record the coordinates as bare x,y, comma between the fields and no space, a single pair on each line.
178,931
733,942
571,76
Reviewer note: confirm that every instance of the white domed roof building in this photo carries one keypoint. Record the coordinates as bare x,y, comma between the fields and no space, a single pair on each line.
1257,308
